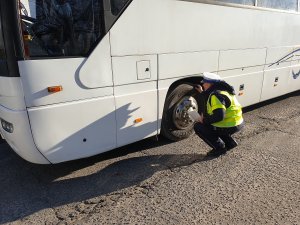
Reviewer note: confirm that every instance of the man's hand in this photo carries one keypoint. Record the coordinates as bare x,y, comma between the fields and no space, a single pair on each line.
199,88
200,120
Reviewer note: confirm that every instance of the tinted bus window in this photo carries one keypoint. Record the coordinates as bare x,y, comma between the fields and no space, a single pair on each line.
291,5
65,27
243,2
3,62
117,6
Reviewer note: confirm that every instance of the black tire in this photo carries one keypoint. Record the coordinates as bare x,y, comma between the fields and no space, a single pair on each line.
1,140
168,127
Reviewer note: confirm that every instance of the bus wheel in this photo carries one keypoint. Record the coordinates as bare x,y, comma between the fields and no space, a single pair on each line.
176,123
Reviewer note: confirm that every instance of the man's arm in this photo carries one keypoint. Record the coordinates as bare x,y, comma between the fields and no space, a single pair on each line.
218,104
217,116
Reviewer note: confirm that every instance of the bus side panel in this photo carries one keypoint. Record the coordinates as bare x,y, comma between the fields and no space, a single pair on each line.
96,70
276,81
135,80
247,87
168,26
74,130
188,63
294,79
241,58
134,69
276,53
136,112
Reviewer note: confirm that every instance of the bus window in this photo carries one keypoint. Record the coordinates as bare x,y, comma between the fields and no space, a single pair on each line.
3,62
243,2
117,6
291,5
61,27
64,27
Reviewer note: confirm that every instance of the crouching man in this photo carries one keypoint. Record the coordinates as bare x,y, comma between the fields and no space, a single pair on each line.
222,117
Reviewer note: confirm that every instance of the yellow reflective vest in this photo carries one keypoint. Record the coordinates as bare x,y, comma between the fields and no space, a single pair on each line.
233,114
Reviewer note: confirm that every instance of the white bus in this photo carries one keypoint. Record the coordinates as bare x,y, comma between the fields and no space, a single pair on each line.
81,77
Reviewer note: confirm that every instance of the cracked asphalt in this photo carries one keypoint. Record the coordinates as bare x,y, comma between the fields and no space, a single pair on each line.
152,182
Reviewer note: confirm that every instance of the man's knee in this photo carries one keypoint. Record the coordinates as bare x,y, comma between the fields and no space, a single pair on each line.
199,128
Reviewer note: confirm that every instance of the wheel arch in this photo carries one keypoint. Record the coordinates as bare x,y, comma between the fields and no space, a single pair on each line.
192,80
186,80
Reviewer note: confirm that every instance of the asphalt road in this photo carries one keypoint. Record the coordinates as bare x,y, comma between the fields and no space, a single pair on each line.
153,182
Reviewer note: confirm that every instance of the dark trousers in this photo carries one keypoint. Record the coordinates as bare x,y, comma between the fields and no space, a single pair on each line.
216,137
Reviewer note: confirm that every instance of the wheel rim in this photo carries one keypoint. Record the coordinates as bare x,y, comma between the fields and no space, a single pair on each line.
181,117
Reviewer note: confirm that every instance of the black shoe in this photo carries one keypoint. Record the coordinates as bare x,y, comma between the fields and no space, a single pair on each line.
216,152
232,144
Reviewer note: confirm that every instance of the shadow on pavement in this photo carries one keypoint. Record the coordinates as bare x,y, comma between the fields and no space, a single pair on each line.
28,188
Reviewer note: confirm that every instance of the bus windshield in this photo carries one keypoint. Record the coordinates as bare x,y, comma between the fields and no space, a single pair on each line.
3,60
65,27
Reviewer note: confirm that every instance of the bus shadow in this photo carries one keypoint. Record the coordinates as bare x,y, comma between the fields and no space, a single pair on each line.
55,171
28,188
44,187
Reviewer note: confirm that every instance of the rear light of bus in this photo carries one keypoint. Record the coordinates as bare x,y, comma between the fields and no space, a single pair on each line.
8,127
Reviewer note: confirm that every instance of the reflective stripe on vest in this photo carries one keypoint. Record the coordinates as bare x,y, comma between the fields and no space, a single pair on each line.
233,114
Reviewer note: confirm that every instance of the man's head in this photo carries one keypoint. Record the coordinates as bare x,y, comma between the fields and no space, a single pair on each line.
209,79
